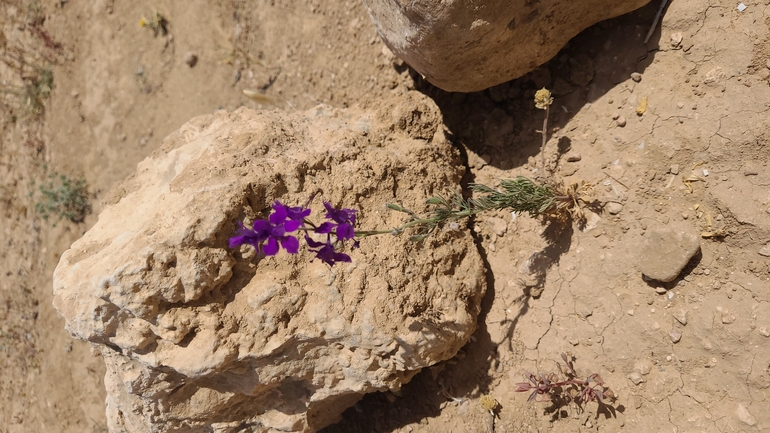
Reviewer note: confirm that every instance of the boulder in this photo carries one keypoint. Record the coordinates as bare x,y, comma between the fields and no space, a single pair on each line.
198,337
462,46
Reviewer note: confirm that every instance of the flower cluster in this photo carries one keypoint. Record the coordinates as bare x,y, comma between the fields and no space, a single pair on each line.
268,236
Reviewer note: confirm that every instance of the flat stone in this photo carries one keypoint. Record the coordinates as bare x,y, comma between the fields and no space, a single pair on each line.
681,316
636,76
667,250
675,335
744,416
635,377
765,250
498,226
613,208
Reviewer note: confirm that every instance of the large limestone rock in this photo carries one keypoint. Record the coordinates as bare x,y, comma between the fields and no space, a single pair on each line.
463,46
201,338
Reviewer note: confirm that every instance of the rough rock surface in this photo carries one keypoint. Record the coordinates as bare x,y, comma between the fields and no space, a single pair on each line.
469,46
197,337
667,250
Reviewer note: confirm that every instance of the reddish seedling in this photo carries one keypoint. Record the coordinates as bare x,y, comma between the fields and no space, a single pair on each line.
566,386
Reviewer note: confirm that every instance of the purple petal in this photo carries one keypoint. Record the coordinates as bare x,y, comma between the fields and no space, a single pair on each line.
345,231
324,228
279,214
236,241
298,213
271,247
291,225
290,244
262,227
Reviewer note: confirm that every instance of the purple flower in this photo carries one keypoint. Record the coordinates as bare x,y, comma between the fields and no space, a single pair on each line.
325,251
343,225
266,235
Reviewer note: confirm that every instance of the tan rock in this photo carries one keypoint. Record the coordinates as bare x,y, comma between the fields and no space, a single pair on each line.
464,47
666,250
197,336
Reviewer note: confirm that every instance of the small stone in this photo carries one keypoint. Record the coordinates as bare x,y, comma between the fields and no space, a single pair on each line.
675,335
636,76
681,316
191,59
767,64
674,169
635,377
764,331
574,158
621,121
727,318
498,226
615,115
667,250
765,251
679,105
614,208
676,39
630,312
750,170
744,416
660,290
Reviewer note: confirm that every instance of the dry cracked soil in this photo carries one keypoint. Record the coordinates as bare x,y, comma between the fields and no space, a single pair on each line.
671,132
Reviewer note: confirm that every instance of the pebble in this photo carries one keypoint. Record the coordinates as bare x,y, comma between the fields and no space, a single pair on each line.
667,250
621,121
615,115
727,318
744,416
681,316
750,171
635,377
660,290
614,208
675,335
764,331
676,39
636,76
191,59
498,226
765,251
674,169
574,158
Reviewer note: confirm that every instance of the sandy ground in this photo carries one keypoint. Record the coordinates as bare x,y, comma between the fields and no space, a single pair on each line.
118,90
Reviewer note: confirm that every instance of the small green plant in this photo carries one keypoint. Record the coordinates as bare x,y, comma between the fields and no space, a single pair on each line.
62,197
36,81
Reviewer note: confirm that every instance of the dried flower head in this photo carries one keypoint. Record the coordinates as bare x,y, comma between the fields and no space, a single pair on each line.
543,98
488,403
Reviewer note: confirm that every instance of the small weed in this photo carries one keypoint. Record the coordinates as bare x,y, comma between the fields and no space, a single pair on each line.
62,197
157,23
36,81
567,387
